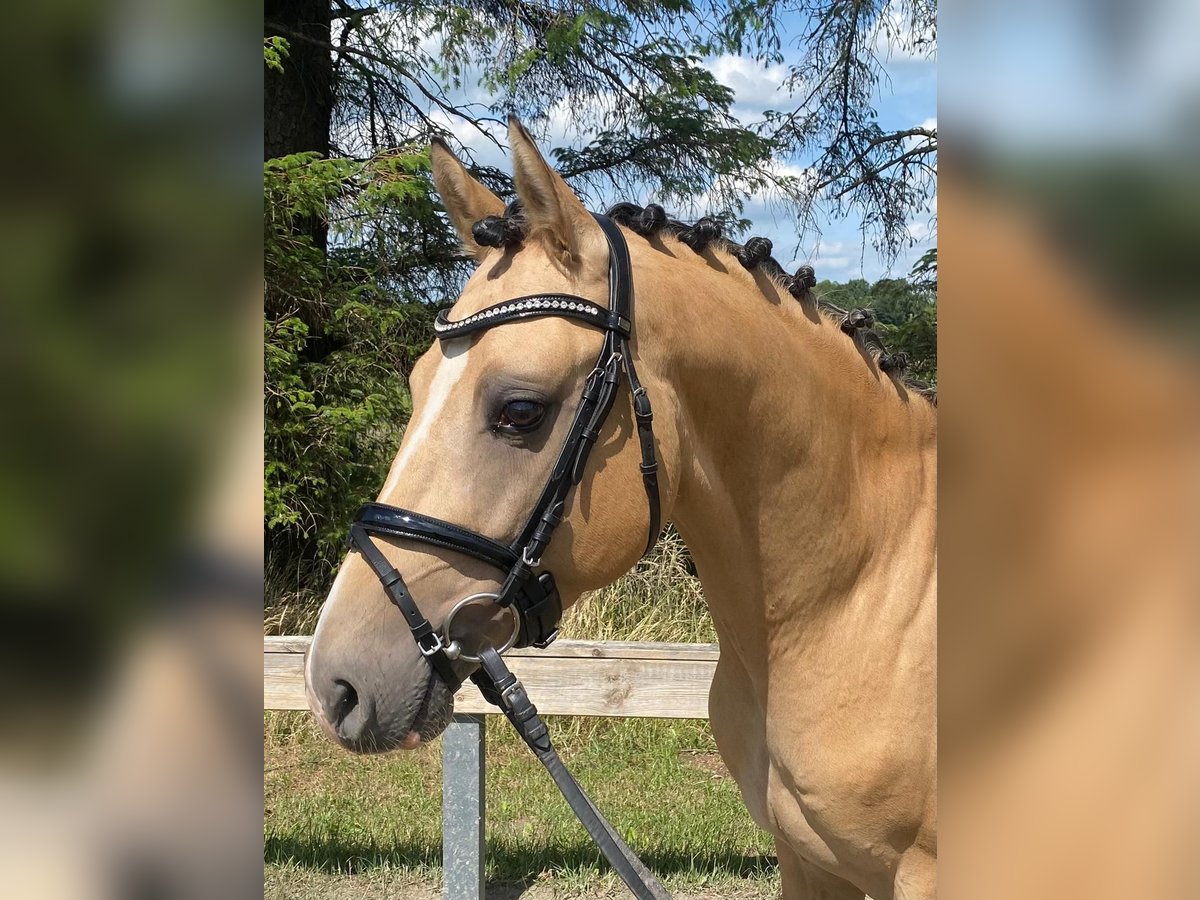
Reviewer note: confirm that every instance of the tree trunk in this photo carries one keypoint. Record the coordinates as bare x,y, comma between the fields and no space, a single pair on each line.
297,103
298,100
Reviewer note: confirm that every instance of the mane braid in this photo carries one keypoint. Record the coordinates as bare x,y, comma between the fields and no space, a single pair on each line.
506,230
511,228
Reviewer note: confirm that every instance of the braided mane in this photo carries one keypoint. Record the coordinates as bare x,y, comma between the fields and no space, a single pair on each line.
510,229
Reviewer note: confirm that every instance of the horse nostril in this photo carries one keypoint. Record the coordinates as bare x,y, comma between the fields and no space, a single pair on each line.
343,700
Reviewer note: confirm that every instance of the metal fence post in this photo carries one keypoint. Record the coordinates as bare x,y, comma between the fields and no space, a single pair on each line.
463,808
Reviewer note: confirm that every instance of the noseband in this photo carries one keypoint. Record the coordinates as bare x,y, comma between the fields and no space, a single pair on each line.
530,595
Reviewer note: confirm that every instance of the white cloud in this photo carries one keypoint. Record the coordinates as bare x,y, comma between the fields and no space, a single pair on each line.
830,262
830,255
919,231
896,40
756,86
466,133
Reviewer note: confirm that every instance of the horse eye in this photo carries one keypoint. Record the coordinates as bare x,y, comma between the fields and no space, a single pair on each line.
521,415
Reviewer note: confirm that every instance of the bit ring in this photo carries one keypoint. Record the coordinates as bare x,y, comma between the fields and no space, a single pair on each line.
454,648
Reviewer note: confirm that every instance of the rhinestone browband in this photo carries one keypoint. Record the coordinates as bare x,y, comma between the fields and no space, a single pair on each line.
531,307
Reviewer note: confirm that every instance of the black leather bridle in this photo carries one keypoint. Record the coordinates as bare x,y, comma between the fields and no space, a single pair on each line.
532,596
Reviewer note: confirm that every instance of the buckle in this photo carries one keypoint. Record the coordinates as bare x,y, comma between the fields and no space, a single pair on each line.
641,405
514,690
438,645
547,641
593,384
612,368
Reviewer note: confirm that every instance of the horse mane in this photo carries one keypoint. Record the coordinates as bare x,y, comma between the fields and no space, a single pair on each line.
510,229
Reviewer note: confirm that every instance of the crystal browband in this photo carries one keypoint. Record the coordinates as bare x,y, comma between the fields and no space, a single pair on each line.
530,308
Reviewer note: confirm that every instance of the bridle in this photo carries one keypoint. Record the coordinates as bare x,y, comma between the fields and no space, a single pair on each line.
532,597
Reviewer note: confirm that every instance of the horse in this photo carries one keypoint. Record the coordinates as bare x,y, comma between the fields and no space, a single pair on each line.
795,460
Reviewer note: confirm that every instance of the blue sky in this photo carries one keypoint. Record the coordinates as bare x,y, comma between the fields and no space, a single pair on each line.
906,97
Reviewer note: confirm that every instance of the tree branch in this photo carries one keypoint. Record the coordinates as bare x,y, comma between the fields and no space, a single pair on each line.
874,173
388,63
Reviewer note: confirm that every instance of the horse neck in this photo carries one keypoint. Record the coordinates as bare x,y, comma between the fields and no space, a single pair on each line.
806,475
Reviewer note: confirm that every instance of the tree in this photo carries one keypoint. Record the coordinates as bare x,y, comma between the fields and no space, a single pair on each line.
629,75
298,100
904,310
885,176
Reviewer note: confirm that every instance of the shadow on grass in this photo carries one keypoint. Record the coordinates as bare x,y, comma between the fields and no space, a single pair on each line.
512,868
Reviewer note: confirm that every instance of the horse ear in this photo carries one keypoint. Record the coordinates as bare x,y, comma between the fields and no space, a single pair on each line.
466,200
553,213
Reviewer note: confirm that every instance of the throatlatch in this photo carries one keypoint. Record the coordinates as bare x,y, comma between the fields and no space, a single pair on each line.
532,596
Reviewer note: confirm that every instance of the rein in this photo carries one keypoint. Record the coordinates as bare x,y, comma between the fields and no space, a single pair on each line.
532,597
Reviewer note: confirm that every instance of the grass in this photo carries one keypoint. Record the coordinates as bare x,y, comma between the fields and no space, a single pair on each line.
338,824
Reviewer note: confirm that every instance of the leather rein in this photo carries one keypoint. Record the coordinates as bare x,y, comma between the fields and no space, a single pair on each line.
527,591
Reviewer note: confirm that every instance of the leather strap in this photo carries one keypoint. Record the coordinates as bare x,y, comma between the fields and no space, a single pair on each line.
397,522
534,594
620,270
643,416
620,291
501,688
537,597
423,633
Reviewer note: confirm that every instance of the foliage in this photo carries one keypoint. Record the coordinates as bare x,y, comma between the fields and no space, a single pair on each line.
341,332
275,50
924,272
882,176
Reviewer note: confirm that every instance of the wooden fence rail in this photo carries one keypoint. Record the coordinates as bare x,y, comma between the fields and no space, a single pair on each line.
570,678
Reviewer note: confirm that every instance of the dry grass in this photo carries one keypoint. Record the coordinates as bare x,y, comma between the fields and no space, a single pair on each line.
657,601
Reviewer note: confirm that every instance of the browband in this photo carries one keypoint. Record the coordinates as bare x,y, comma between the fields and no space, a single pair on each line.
531,307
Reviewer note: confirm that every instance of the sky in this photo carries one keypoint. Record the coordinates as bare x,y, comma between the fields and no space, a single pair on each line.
906,97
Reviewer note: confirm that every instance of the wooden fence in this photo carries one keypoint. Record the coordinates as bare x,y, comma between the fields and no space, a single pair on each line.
570,678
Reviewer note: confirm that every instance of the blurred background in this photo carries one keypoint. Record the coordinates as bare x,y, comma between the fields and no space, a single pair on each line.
132,442
130,450
1070,456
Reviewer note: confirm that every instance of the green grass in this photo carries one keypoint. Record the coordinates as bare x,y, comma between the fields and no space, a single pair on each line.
371,826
